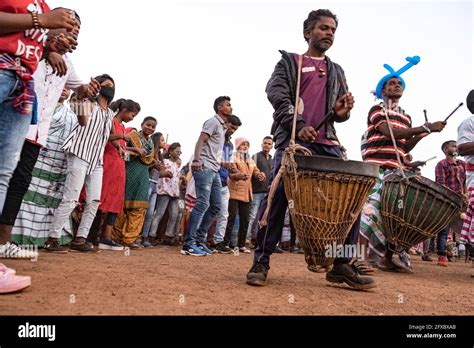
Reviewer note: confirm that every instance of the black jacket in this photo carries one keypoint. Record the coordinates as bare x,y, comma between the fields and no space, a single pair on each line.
281,92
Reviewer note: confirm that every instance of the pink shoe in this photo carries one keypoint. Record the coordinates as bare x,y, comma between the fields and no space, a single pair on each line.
5,269
11,283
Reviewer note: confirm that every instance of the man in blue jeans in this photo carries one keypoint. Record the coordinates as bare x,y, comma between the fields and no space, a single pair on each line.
451,173
205,167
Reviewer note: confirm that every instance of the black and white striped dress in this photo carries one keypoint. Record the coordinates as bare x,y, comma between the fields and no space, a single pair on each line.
88,142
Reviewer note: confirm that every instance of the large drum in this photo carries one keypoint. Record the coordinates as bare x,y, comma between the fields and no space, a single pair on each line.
325,196
416,208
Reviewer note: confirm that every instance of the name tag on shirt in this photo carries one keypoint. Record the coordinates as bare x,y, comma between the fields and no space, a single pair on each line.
308,69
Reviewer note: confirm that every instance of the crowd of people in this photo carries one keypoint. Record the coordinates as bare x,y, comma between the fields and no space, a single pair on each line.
74,177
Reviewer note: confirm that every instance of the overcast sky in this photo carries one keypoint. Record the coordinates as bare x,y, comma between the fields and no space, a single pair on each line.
176,57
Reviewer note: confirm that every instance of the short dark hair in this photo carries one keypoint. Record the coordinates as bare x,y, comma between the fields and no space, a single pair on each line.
470,101
446,144
219,101
315,16
234,120
173,146
268,137
103,77
128,104
149,118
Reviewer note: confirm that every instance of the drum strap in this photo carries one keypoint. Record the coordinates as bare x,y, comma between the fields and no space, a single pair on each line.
297,100
394,142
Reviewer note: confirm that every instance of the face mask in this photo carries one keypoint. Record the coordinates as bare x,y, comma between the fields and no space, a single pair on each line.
107,92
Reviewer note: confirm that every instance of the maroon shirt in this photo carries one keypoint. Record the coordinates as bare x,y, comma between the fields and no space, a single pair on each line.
313,92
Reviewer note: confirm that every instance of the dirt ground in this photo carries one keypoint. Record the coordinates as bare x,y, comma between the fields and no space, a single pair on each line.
160,281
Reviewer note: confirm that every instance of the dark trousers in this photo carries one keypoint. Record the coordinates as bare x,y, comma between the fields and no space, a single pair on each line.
268,236
243,209
19,183
442,240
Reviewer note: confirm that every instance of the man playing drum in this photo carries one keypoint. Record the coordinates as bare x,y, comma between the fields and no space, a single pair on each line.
466,149
378,148
323,89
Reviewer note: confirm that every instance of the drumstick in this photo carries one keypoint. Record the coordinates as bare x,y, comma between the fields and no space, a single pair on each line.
325,118
460,104
344,91
426,117
429,159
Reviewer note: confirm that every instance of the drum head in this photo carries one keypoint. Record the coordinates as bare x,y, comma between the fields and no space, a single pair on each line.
421,180
336,165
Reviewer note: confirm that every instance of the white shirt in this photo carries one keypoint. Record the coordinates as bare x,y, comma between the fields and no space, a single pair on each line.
466,135
48,88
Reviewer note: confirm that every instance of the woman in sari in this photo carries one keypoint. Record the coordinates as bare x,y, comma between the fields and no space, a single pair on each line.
113,187
140,147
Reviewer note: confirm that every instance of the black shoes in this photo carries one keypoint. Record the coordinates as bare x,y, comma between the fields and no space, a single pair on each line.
223,249
258,274
349,274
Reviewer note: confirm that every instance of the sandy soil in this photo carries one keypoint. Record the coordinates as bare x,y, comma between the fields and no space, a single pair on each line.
160,281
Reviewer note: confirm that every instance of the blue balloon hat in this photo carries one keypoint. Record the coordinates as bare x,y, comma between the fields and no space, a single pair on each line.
392,73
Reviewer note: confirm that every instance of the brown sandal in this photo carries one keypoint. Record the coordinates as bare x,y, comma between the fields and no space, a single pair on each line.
394,268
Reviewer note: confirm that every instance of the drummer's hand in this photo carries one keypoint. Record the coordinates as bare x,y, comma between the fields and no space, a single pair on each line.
344,104
436,126
307,134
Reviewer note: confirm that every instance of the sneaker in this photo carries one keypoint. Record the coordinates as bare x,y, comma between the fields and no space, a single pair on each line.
442,261
12,283
278,250
193,250
52,245
258,274
206,249
6,270
349,274
10,250
81,247
426,257
245,250
223,249
109,244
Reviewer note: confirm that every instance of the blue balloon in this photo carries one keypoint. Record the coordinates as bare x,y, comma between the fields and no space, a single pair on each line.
392,73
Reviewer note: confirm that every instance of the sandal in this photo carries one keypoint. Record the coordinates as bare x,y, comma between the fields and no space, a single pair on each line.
395,268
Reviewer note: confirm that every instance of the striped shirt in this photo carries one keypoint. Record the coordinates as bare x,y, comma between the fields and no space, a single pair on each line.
377,148
88,142
451,175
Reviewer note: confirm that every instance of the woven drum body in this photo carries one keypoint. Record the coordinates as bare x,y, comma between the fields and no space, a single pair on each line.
416,208
325,197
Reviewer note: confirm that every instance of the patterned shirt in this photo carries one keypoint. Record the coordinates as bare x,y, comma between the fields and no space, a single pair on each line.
88,142
169,186
451,175
377,148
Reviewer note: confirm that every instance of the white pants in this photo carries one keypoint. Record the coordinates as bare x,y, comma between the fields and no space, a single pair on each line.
222,216
76,177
